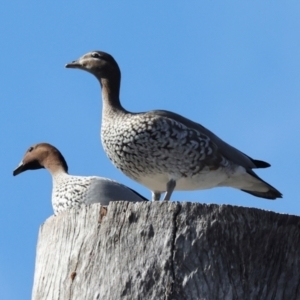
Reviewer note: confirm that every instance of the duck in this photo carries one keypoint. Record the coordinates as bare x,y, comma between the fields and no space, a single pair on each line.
163,150
70,191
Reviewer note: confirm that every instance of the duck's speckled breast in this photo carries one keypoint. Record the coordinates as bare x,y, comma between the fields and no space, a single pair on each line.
69,191
145,144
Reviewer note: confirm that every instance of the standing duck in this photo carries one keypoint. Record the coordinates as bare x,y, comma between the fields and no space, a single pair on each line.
163,150
73,191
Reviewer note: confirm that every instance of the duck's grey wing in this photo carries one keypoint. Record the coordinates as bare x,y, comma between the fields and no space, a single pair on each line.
224,149
138,194
102,190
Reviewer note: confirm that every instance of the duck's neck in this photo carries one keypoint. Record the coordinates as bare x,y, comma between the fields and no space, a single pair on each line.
55,167
110,95
58,176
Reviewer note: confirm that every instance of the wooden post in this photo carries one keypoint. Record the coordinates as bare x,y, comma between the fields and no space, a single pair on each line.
168,250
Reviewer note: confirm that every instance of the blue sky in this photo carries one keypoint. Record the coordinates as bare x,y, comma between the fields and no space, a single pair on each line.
234,67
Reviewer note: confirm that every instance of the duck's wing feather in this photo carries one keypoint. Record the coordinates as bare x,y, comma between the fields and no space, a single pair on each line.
103,190
225,149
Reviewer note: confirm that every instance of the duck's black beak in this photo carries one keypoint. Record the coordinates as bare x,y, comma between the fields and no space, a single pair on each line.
19,169
73,65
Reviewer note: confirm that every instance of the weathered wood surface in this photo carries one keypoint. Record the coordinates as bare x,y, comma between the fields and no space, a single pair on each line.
168,250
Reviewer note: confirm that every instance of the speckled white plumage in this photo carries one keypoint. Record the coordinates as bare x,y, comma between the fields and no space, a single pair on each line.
70,191
74,191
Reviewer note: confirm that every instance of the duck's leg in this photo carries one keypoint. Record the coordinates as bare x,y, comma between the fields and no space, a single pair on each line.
156,196
170,188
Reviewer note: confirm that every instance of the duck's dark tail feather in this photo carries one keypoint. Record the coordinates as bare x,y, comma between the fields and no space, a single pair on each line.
261,163
272,194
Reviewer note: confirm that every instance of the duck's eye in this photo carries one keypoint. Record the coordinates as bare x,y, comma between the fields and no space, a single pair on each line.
96,55
30,149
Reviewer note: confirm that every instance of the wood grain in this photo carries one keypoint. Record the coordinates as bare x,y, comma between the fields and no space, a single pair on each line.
168,250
